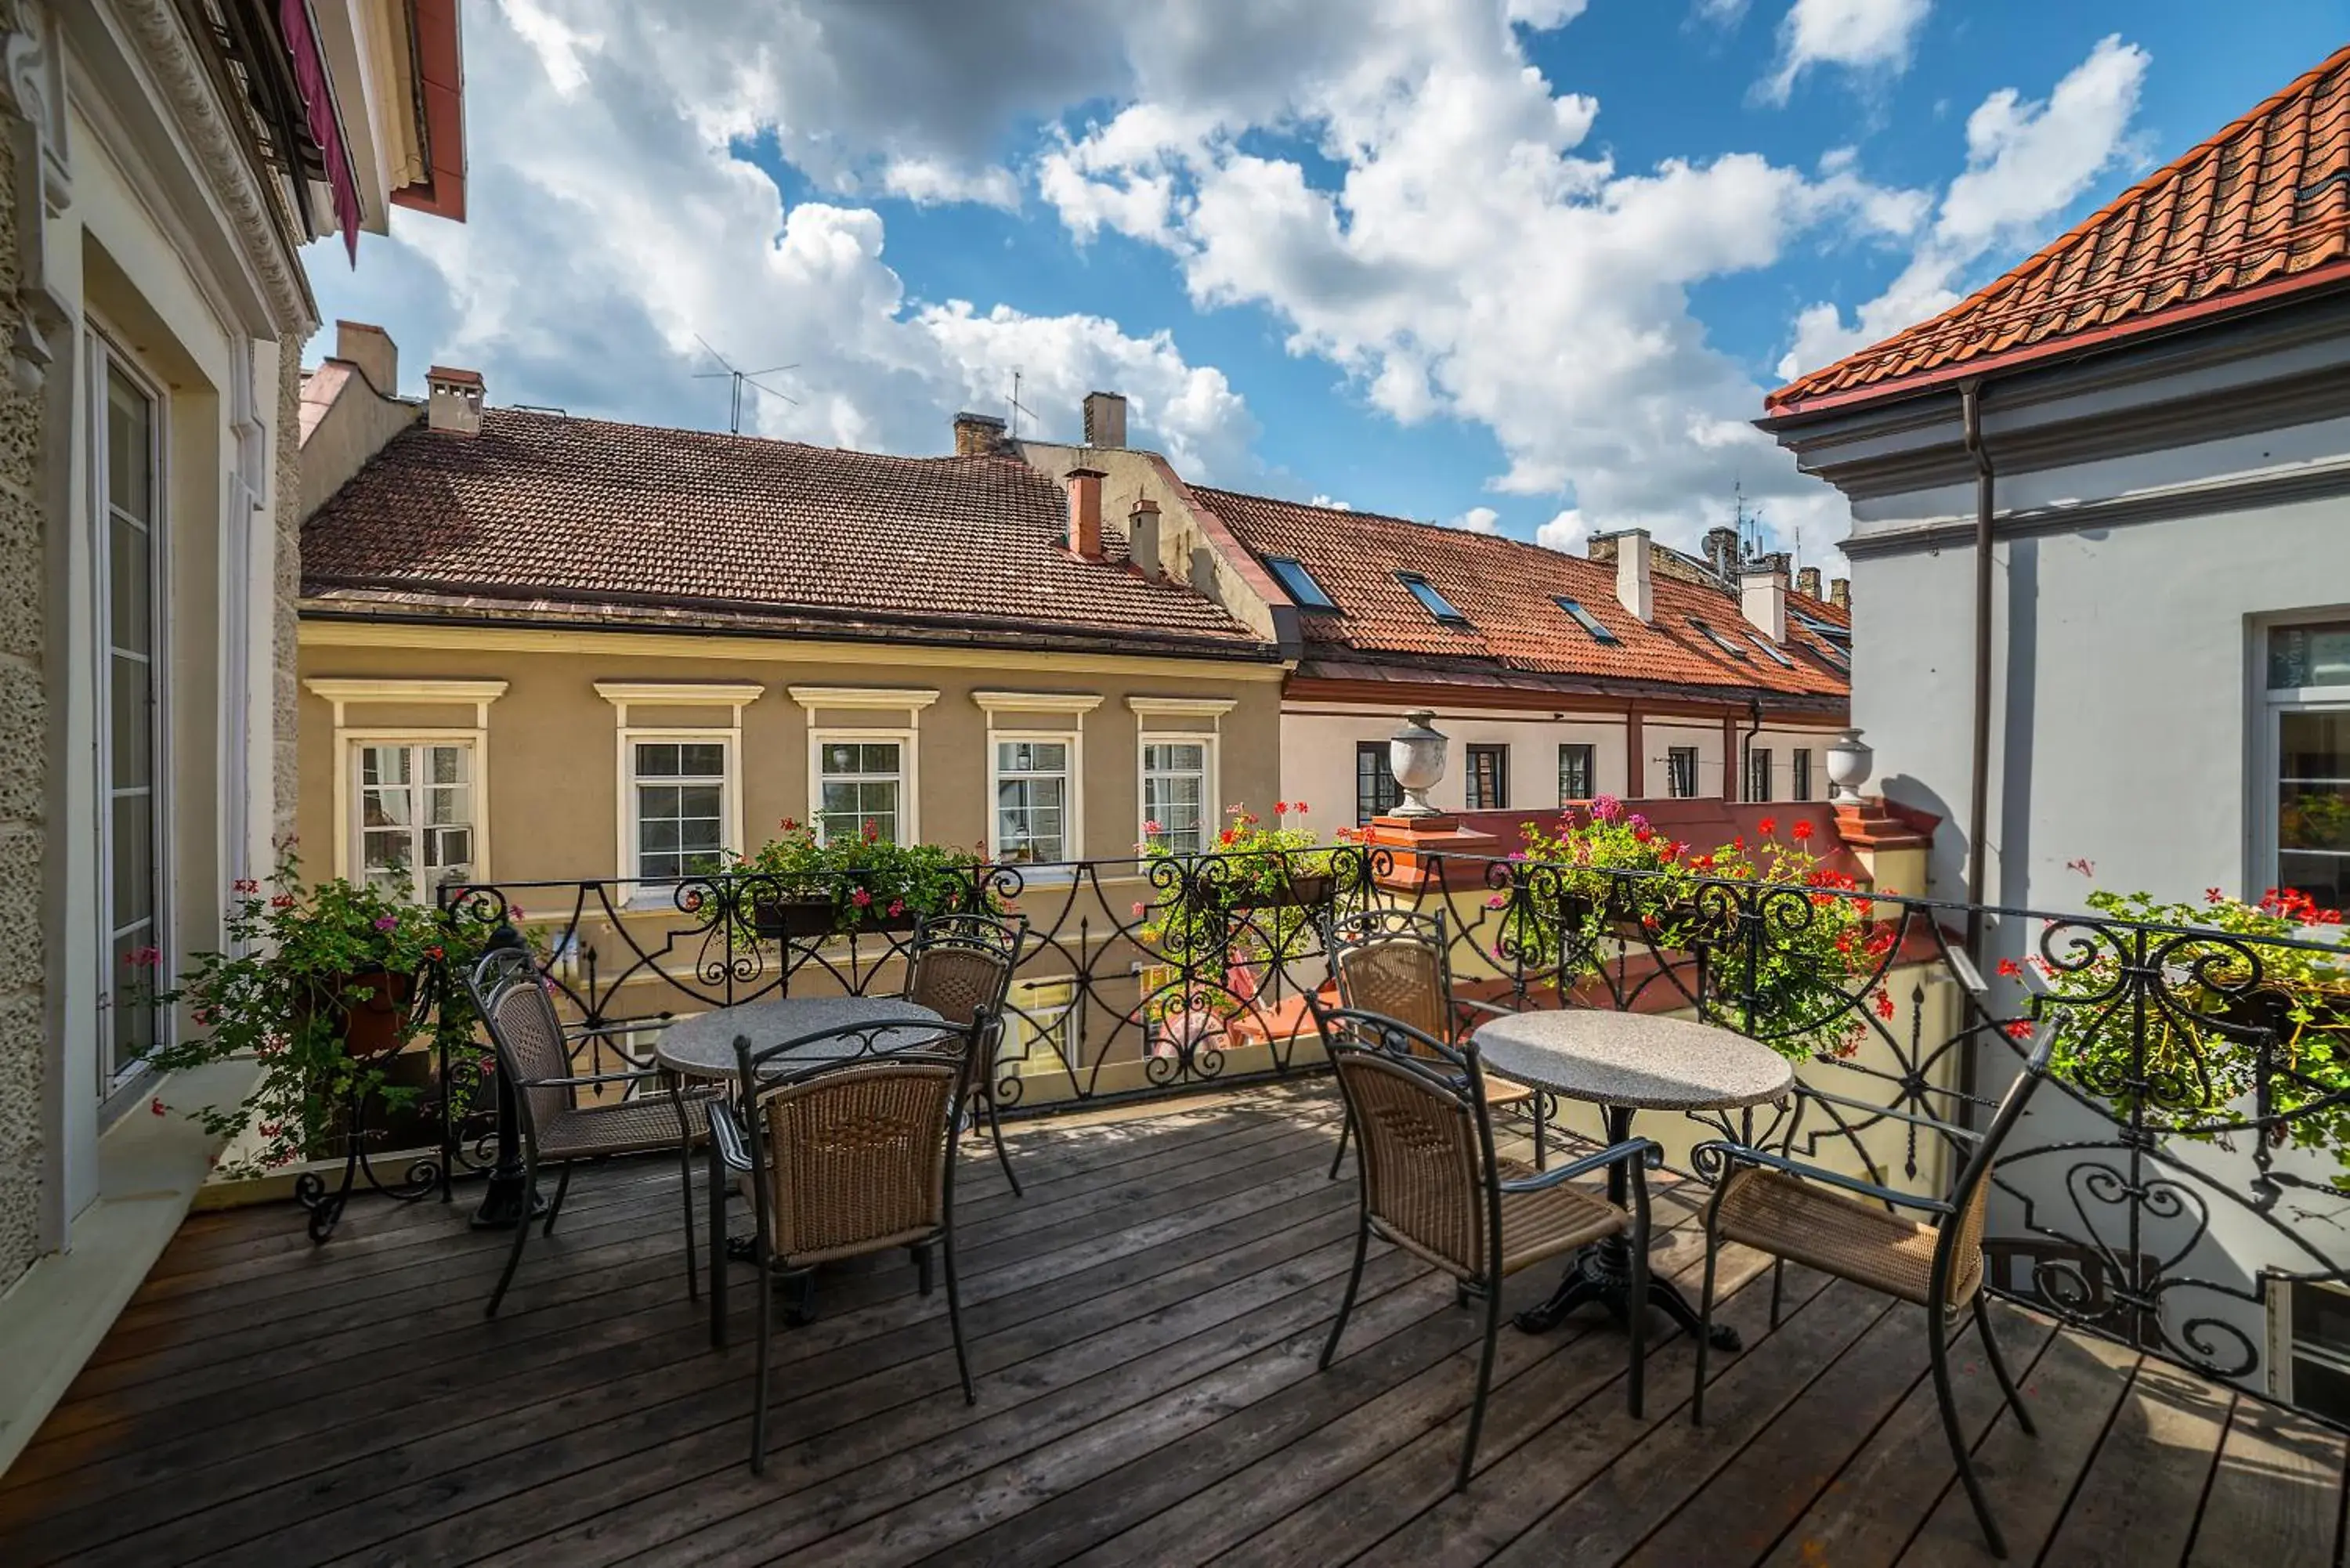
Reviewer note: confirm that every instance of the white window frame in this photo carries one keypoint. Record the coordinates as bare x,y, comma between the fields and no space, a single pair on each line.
354,851
104,355
2266,855
1032,1027
907,740
907,701
342,693
1760,759
2280,1335
1053,717
1176,721
628,695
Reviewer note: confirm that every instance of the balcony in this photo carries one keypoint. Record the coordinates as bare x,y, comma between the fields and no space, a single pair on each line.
1144,1325
1145,1321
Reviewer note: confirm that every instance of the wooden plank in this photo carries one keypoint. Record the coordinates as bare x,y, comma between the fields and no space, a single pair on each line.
2145,1486
631,1403
2276,1499
1866,1515
2075,1388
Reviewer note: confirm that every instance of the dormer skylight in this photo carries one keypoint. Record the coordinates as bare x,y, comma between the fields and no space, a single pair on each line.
1587,621
1767,646
1719,640
1433,602
1298,582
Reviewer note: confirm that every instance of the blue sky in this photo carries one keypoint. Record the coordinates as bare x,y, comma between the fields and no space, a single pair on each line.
1528,264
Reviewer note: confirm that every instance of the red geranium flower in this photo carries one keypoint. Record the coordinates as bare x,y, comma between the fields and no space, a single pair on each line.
1767,826
1884,1004
1802,831
2009,969
861,898
2021,1029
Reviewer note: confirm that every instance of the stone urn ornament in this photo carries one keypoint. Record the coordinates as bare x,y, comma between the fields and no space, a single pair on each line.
1849,761
1415,757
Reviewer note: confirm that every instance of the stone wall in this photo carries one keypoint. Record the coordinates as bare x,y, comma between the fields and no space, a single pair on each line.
24,750
285,693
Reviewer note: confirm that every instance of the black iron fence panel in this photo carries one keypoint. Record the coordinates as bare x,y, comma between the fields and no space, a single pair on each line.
2180,1186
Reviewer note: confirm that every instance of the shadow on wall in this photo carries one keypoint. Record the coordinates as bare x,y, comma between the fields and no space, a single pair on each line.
2017,696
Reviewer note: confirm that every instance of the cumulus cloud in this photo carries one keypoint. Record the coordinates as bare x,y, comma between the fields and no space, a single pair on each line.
1869,39
1570,532
1477,520
2027,162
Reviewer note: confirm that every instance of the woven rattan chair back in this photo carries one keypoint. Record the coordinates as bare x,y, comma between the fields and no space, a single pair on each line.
1429,1179
1393,962
964,963
525,1032
854,1159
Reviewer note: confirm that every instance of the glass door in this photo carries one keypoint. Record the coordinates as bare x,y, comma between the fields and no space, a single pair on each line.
130,701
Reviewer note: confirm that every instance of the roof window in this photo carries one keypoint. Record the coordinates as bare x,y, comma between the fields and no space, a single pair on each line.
1435,603
1587,621
1298,582
1767,646
1719,640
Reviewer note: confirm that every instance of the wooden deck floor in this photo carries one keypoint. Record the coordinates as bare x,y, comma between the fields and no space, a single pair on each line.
1145,1325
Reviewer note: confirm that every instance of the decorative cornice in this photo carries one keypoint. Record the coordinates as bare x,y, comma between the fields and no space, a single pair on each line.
169,56
1182,706
1037,701
679,693
893,698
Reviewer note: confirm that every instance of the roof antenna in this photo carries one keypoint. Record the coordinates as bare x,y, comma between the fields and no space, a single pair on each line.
1018,408
740,379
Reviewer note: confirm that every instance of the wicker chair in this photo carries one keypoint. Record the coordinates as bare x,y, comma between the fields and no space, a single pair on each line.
962,966
844,1160
1396,963
1432,1186
534,1057
1854,1230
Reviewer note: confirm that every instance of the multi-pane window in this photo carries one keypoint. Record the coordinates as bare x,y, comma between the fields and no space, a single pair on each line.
860,790
415,816
1758,773
1800,762
1032,801
2317,1348
1376,791
2309,760
130,804
1175,793
681,797
1489,778
1577,762
1681,772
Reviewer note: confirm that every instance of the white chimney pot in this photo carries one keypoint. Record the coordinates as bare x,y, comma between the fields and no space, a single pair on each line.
1635,582
1763,596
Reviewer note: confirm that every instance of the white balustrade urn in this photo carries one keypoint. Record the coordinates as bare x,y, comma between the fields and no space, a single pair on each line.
1415,757
1849,763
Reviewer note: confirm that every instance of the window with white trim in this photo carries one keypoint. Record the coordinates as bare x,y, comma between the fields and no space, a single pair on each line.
1177,786
1681,772
414,814
860,789
1758,773
2310,1347
679,798
1578,767
1800,761
2307,758
1034,787
132,698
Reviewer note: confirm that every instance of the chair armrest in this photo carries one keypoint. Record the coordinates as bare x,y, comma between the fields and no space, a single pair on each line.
726,1135
1643,1151
1738,1154
589,1080
1491,1009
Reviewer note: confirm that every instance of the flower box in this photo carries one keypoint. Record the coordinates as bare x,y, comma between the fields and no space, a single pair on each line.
782,920
1305,890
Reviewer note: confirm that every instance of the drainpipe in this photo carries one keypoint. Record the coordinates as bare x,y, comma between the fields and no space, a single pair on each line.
1979,801
1746,746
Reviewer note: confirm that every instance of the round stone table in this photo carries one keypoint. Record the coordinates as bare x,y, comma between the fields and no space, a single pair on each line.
1624,1063
703,1046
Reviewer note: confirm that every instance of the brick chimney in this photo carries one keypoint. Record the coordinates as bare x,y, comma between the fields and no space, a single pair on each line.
1104,419
1722,553
1840,592
369,348
453,400
1085,512
1634,581
1142,539
978,435
1807,581
1763,595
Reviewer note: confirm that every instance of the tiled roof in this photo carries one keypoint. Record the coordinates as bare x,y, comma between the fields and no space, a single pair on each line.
320,387
2262,209
544,513
1517,635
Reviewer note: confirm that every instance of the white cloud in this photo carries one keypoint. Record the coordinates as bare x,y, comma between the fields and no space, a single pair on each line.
1332,502
1869,39
1477,520
596,256
1570,533
2026,163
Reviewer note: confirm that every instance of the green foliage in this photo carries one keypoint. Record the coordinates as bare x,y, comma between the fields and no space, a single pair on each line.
865,878
1235,905
281,993
2194,1048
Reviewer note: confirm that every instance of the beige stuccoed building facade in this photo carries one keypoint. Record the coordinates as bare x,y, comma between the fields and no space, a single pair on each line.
156,184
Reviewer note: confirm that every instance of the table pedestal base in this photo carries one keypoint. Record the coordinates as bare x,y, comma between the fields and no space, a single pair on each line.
1602,1273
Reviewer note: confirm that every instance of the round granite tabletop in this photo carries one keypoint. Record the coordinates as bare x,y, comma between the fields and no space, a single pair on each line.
1634,1059
703,1046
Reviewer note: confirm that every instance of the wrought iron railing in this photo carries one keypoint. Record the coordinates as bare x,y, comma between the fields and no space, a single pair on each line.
2183,1172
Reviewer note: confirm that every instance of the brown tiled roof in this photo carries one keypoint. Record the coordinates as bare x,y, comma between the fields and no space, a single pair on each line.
542,514
1517,636
2260,211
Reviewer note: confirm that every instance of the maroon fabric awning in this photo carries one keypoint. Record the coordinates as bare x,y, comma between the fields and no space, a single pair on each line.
319,117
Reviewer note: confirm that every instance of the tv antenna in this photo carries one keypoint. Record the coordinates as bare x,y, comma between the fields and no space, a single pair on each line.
740,379
1018,408
1749,524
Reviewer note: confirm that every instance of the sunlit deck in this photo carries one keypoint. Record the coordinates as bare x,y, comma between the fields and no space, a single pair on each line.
1145,1323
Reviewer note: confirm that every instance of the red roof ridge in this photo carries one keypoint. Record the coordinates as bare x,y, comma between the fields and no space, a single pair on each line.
1905,359
504,411
1352,514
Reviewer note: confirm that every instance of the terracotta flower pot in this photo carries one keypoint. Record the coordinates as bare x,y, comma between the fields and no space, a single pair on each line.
372,1010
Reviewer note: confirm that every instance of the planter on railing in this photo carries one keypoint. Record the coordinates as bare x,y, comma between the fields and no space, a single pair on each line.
370,1010
782,920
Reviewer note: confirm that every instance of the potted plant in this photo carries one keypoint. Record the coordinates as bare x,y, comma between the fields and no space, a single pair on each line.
799,884
319,983
1225,915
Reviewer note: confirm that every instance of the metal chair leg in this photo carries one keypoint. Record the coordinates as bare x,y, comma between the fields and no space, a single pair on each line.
1485,1381
921,1250
1778,1281
766,1336
1345,1126
1354,1282
1999,1368
1003,1156
954,1314
522,1235
562,1189
1637,1306
717,1248
1541,1151
1704,1320
1938,1347
685,1182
